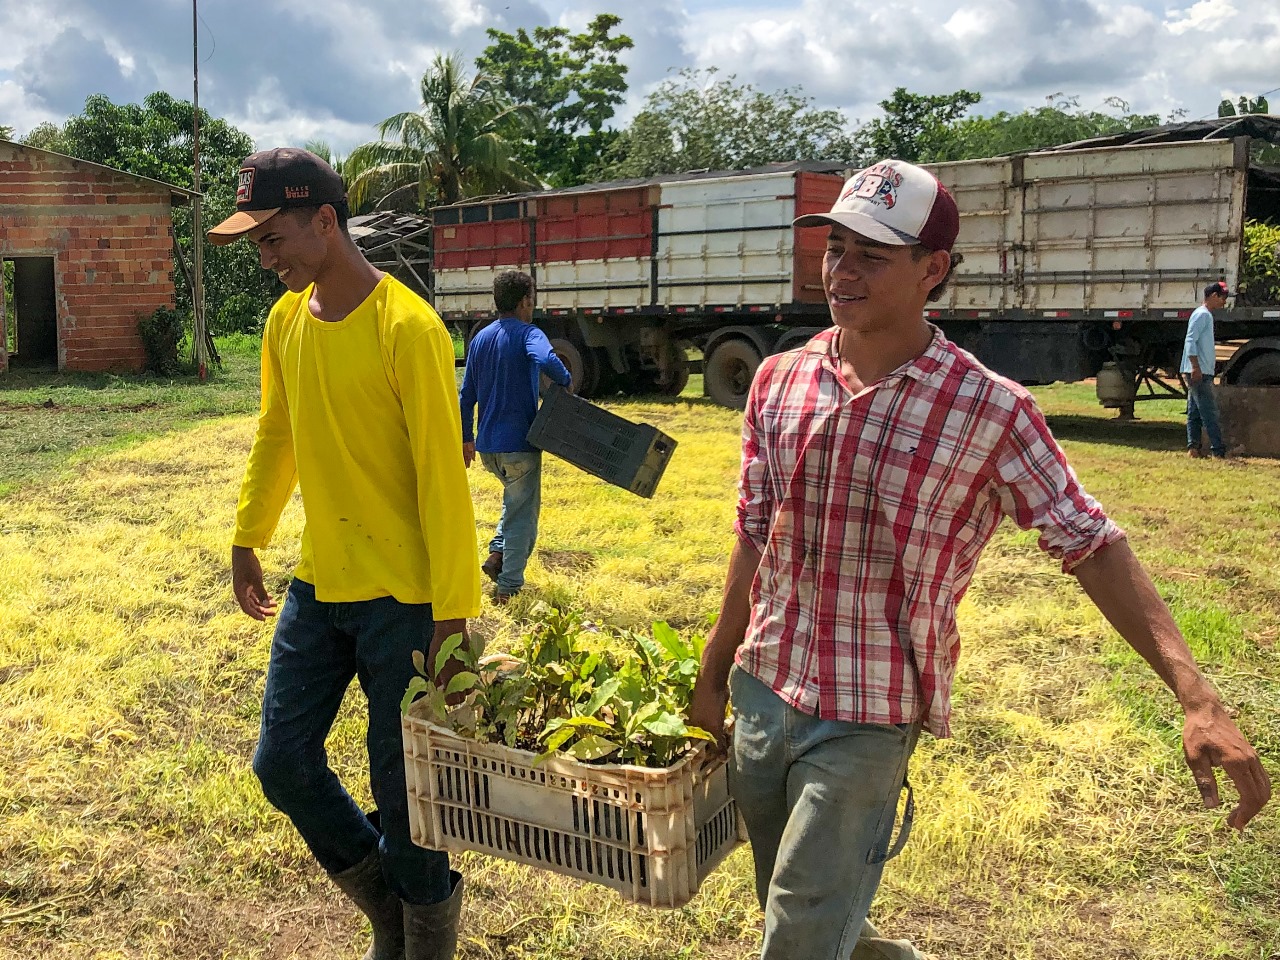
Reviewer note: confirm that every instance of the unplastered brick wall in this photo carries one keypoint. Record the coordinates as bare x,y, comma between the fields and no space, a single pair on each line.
109,235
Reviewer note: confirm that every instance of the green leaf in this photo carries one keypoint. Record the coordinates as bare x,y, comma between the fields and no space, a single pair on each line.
589,666
604,693
666,724
697,733
670,641
416,686
437,708
649,651
446,651
558,739
420,662
592,748
578,723
476,643
462,681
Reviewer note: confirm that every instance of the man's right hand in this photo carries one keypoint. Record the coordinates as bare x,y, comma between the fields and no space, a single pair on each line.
246,582
468,453
707,706
1195,376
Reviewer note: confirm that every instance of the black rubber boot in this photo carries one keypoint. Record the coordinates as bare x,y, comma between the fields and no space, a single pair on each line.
368,889
431,930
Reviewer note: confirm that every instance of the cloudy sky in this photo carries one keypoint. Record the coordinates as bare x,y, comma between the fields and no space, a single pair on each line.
289,70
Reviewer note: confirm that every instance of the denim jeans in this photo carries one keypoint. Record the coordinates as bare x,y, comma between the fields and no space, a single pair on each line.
318,648
820,798
521,476
1202,411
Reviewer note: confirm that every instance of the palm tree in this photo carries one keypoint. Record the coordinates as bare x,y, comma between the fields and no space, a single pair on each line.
325,152
451,148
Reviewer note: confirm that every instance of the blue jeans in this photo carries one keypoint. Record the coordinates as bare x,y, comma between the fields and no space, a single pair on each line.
1202,411
318,648
521,476
820,798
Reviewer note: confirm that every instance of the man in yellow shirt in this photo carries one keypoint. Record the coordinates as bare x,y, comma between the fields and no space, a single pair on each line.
359,410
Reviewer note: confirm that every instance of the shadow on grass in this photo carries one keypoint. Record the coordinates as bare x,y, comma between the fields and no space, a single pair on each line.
1142,435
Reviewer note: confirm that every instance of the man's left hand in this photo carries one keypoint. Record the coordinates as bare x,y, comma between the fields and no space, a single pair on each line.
1211,739
468,453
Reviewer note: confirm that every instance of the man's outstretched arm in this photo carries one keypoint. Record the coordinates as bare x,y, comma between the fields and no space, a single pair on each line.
1117,583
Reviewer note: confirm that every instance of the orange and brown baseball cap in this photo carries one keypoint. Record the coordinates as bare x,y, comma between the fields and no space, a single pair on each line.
275,180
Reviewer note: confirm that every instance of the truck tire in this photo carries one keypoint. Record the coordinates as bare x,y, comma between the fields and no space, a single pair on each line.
1261,371
680,359
584,368
728,371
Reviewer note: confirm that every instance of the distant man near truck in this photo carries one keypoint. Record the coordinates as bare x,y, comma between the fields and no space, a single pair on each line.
877,462
1199,364
359,411
505,362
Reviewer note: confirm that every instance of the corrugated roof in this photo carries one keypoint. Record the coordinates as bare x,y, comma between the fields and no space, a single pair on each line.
1259,126
172,188
372,231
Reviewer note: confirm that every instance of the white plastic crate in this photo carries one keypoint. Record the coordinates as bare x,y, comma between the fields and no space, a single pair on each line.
653,835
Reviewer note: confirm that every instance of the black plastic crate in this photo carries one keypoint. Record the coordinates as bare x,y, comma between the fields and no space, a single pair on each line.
629,455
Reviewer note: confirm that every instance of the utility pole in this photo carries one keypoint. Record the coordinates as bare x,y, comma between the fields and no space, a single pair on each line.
198,333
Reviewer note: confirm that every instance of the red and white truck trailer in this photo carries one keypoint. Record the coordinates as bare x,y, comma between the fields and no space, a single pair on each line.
629,274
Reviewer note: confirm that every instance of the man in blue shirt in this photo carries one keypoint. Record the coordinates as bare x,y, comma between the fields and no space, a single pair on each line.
504,363
1198,366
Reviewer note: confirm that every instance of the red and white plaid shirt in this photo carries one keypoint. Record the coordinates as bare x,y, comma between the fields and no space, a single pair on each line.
870,512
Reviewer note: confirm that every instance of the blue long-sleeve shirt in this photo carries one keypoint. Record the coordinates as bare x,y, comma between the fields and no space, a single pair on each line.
503,365
1199,342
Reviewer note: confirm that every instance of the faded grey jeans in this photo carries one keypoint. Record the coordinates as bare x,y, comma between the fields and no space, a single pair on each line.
820,800
521,476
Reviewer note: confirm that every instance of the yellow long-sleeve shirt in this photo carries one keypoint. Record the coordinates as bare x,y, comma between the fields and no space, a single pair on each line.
362,414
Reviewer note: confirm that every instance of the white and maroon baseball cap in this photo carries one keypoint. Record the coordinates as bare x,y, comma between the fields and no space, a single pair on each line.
894,202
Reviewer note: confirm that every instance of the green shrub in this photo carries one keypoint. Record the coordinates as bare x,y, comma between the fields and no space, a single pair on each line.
242,312
162,332
1259,265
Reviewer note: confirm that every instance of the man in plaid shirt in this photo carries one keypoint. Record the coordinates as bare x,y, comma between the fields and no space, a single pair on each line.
878,461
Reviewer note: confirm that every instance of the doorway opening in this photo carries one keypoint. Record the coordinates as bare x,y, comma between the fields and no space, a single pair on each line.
30,312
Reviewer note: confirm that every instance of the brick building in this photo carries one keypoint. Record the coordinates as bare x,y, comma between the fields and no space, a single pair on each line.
92,252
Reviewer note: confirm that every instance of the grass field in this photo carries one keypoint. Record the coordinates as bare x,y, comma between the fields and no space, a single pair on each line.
1058,823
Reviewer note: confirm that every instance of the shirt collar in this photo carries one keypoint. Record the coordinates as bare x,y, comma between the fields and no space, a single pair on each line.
935,356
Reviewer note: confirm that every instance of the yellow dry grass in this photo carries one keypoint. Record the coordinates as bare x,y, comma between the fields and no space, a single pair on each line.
1058,823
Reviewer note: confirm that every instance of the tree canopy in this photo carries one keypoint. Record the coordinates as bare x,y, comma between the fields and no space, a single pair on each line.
914,126
572,82
453,146
1060,120
699,121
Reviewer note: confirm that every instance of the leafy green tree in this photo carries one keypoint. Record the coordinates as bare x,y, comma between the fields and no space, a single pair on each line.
454,146
325,152
915,126
1244,106
154,139
573,82
46,136
696,121
6,133
1059,121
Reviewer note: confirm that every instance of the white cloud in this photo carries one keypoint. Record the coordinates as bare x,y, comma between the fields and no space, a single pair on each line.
289,70
1206,14
852,53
